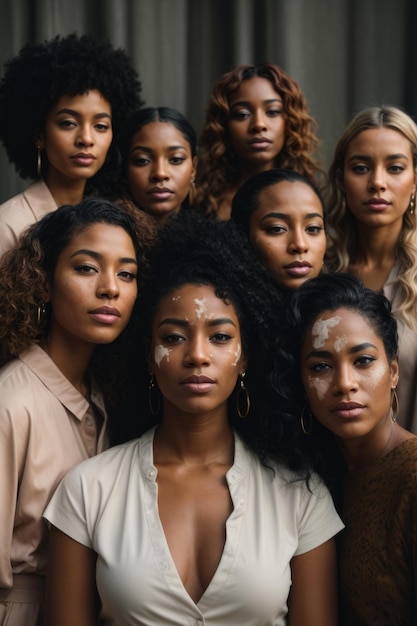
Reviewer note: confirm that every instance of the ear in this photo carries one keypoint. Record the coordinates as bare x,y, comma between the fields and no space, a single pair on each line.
243,364
395,372
38,140
194,170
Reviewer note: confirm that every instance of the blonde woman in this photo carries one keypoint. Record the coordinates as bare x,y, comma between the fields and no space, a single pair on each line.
372,224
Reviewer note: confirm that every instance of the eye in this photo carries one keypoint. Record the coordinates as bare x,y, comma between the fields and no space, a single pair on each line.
274,112
241,114
126,275
360,169
275,229
102,128
140,161
85,269
172,338
314,229
67,124
221,337
319,367
365,360
177,160
396,169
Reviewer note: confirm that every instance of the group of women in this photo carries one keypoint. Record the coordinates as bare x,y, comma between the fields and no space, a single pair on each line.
220,342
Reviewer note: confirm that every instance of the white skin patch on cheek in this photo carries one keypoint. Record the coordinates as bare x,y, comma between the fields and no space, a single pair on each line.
201,307
237,354
320,330
175,298
340,343
160,353
319,385
377,373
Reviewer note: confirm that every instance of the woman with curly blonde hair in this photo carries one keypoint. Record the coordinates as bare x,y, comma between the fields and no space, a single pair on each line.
372,223
256,119
66,292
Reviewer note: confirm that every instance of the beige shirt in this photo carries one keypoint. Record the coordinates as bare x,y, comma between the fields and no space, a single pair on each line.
46,427
22,211
407,359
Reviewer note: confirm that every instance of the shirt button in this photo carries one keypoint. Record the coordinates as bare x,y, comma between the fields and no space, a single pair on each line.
89,421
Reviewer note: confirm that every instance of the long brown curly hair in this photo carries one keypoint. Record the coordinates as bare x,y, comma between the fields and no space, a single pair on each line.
27,271
217,167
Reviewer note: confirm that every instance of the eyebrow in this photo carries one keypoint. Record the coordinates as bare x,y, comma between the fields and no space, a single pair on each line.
389,157
324,354
78,114
247,103
285,216
146,149
97,255
184,323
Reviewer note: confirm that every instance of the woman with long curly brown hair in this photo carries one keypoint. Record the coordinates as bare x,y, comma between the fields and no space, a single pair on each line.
66,292
257,119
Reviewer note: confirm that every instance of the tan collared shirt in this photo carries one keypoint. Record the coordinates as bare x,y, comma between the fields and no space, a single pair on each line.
46,427
22,211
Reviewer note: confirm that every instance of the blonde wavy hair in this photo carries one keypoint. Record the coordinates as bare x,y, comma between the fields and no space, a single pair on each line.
343,230
218,168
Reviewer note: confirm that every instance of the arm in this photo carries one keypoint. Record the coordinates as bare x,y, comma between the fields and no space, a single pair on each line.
71,592
313,596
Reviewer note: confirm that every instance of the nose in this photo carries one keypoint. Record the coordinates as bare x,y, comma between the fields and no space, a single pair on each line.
258,121
344,380
297,241
377,180
198,352
85,135
107,286
159,170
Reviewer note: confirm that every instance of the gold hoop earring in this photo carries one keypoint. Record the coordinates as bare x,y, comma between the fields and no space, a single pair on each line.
412,204
242,398
306,431
154,399
41,314
39,162
395,405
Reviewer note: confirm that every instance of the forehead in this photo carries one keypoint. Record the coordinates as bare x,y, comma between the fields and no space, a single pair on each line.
347,323
293,198
102,237
385,141
195,301
159,134
92,99
253,89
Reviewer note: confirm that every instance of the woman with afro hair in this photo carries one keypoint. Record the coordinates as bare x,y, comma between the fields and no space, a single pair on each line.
61,103
256,119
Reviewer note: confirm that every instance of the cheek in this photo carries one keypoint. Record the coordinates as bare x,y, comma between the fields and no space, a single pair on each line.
236,354
317,387
161,353
377,374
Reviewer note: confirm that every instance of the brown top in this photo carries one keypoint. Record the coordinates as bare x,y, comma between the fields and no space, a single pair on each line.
378,557
46,427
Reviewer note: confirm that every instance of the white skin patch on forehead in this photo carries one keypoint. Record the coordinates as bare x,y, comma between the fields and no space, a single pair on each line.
201,307
377,373
320,330
340,343
320,386
237,353
160,353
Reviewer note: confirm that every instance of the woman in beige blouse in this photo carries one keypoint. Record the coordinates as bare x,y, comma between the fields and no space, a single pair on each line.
65,292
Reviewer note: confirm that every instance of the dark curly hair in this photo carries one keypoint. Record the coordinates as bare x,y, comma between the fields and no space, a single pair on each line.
326,292
28,270
44,72
217,168
192,249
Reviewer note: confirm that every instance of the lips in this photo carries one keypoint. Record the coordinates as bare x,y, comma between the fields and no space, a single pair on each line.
377,204
105,314
298,268
348,410
198,384
84,158
260,142
160,193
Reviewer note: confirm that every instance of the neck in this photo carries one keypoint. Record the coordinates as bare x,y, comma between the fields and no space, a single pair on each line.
195,439
378,245
71,360
66,191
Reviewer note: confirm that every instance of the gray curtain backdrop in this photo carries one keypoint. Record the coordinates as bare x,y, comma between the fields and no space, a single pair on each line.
345,54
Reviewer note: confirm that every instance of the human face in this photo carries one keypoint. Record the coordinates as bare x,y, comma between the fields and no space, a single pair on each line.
160,169
287,232
76,137
94,287
379,177
346,375
256,126
196,352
